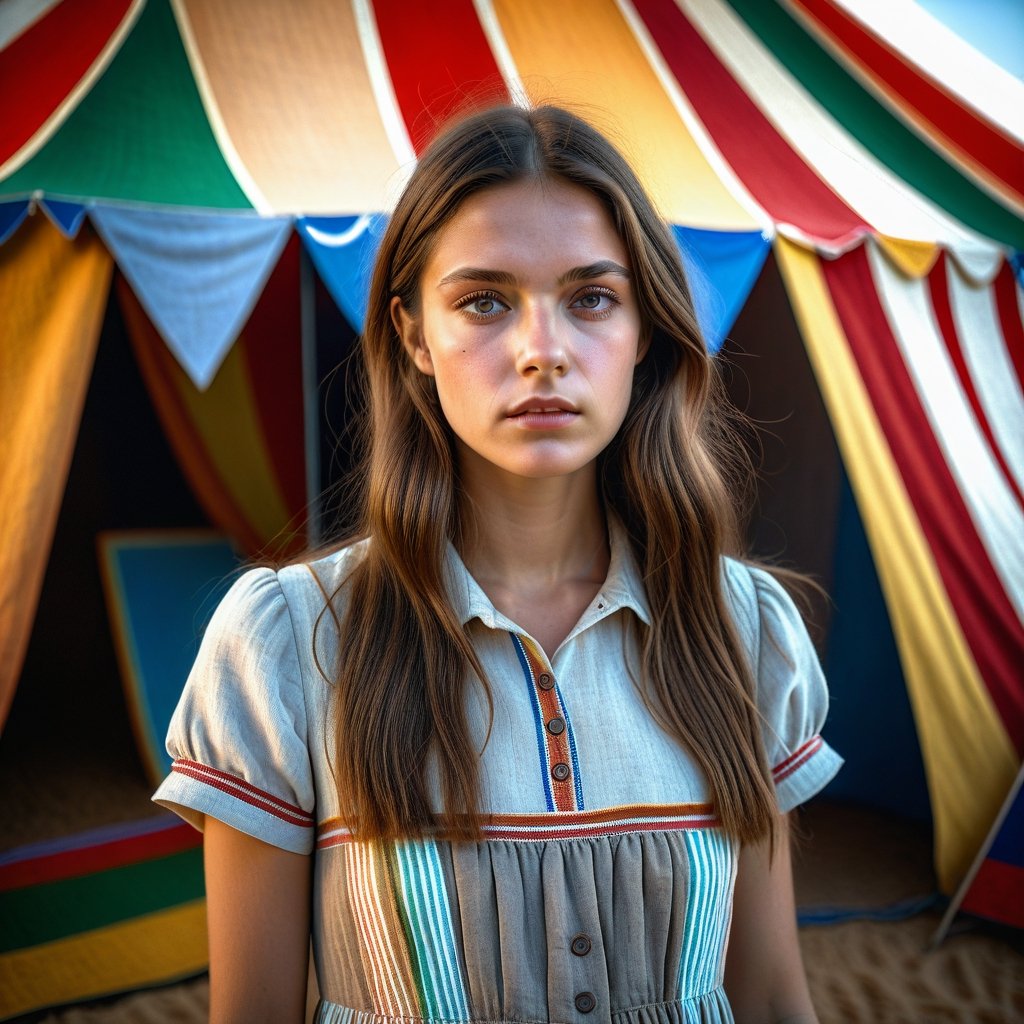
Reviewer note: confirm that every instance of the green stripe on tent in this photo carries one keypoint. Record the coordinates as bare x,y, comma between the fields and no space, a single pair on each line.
140,135
54,910
871,123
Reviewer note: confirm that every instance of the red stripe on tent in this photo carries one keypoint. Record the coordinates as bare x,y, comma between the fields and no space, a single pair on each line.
997,892
42,65
976,141
1008,310
989,622
460,67
773,172
938,286
271,346
90,859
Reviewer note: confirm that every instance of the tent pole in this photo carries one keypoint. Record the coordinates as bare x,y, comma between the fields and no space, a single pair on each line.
310,397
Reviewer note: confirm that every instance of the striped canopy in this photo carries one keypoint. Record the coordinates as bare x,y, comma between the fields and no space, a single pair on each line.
876,155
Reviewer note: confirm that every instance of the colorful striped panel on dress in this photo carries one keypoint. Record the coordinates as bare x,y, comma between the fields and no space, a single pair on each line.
407,943
557,750
712,858
609,821
244,791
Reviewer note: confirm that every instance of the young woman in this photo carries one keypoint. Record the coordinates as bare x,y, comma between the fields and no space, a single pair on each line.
523,750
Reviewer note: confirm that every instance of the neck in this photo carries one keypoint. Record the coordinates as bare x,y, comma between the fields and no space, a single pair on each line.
523,532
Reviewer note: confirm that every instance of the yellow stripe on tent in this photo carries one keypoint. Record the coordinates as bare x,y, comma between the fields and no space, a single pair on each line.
52,294
289,96
582,53
969,760
147,950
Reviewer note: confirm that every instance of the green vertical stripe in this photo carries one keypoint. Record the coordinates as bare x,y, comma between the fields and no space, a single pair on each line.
411,926
141,134
871,123
55,910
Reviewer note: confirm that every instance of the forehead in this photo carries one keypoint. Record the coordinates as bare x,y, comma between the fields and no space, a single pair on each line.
533,224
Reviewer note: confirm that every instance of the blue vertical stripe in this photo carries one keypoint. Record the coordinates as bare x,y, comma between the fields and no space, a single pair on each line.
538,721
712,863
428,916
572,750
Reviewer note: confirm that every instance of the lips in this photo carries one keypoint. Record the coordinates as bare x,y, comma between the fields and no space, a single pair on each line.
541,404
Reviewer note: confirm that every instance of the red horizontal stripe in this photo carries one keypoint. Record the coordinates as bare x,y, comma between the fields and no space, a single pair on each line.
797,759
438,58
87,860
997,892
243,791
970,136
989,622
772,171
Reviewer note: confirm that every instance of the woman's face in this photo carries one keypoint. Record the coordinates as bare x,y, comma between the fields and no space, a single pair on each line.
530,326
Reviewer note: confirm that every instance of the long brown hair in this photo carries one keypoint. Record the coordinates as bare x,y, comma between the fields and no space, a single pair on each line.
399,693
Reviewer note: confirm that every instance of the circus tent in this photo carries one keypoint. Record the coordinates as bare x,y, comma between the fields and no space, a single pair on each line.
217,150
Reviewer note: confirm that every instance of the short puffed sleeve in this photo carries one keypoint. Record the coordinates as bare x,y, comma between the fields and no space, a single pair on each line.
238,738
792,696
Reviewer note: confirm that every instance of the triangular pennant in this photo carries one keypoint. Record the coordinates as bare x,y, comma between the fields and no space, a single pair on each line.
722,267
66,217
197,275
11,216
343,250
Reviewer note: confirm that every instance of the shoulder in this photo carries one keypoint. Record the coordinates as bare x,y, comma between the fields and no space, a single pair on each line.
790,689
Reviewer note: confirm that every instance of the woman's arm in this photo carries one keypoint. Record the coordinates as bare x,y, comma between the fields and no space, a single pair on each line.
258,911
764,975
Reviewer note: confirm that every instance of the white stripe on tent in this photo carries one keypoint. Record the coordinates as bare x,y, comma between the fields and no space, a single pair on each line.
883,200
943,55
500,51
995,378
384,95
986,493
693,124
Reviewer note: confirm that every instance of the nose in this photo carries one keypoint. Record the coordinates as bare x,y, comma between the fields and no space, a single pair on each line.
542,344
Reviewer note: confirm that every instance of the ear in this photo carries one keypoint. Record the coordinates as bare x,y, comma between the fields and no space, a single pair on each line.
410,332
644,345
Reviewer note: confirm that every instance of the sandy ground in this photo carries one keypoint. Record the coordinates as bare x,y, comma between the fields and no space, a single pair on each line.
860,971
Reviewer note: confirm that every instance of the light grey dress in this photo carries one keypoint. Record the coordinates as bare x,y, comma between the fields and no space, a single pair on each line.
603,887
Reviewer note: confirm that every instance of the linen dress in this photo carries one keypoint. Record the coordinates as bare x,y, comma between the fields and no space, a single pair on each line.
602,889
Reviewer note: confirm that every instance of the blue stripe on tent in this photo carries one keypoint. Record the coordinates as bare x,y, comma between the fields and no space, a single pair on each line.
162,589
11,216
68,217
343,250
197,275
1017,262
722,267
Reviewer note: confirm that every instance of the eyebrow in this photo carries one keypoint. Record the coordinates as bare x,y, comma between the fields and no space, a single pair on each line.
585,273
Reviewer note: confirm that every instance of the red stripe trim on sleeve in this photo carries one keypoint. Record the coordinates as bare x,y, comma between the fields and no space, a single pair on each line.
242,790
797,759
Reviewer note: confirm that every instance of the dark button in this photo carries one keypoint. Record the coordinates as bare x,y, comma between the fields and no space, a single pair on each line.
585,1002
544,681
556,726
560,771
580,945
